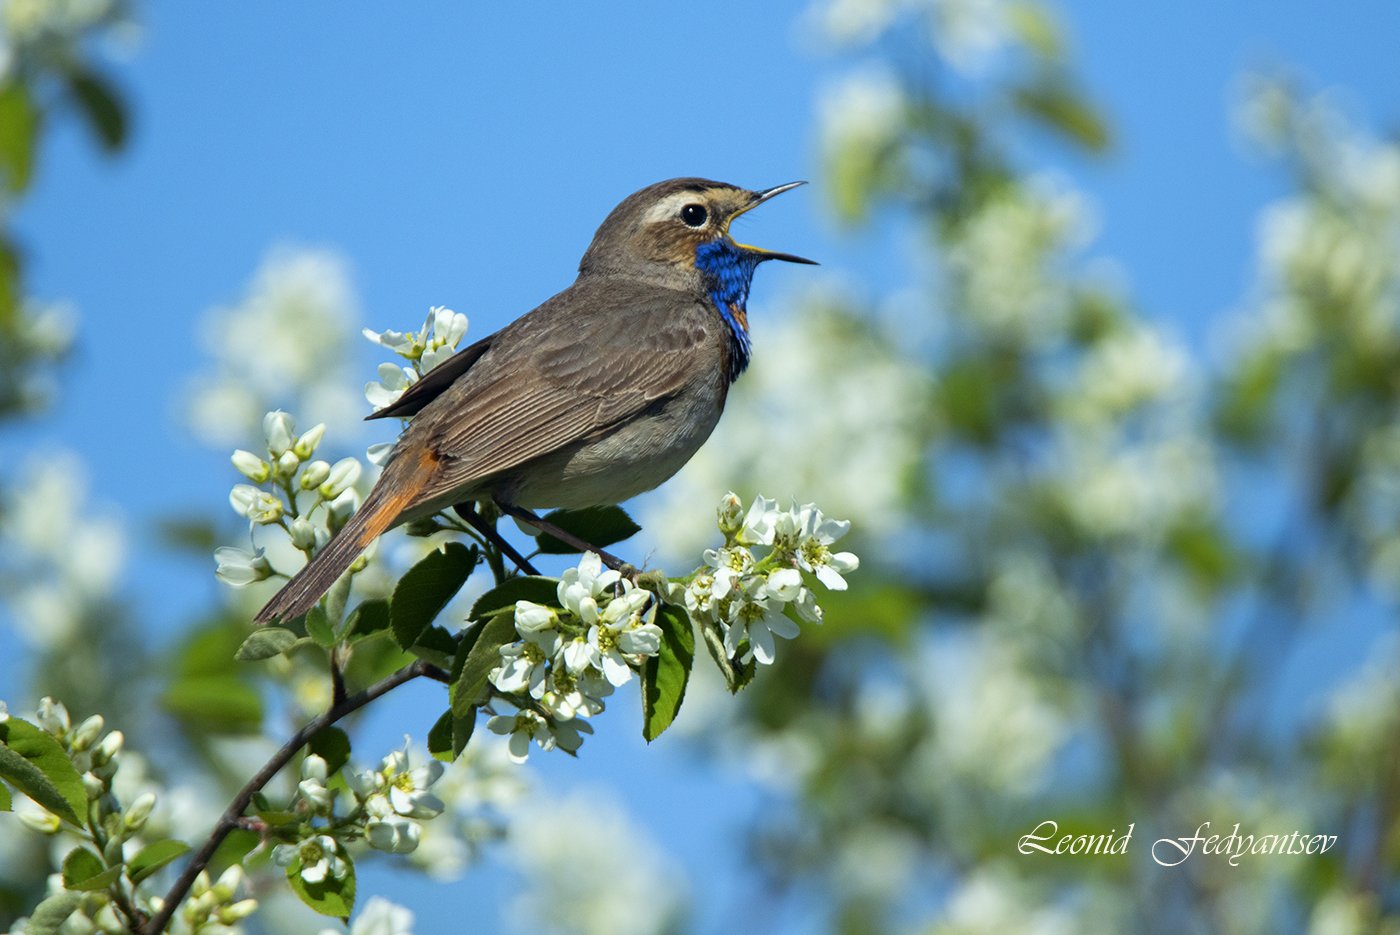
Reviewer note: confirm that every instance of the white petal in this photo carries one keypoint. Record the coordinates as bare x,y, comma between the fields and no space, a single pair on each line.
830,577
761,644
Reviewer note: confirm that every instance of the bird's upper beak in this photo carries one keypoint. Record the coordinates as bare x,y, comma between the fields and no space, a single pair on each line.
756,199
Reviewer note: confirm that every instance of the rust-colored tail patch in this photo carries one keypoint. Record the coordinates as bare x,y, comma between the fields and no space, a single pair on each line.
396,491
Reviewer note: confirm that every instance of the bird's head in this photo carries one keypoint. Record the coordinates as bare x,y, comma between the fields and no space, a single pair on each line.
679,230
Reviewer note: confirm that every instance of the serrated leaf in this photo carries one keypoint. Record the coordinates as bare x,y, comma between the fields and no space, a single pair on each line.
426,588
369,618
666,674
484,655
99,103
437,646
34,763
19,124
600,526
266,643
319,628
84,871
154,856
503,597
332,745
49,915
330,897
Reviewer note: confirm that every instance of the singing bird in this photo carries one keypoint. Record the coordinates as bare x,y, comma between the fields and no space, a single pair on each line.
599,394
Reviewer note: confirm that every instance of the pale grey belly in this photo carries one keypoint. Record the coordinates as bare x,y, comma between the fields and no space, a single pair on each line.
631,460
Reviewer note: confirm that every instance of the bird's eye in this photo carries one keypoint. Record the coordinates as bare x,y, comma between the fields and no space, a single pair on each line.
694,215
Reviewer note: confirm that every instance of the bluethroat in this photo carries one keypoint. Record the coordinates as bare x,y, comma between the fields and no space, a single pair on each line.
599,394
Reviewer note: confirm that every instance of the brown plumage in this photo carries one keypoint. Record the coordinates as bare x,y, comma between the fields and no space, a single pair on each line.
597,395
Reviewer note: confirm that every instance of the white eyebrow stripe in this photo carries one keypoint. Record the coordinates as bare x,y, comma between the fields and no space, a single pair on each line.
671,205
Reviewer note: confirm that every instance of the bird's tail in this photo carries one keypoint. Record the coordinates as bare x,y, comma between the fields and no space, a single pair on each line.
379,511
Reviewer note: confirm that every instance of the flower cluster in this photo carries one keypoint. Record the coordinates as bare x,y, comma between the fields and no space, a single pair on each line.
569,658
748,596
120,832
424,349
389,802
308,498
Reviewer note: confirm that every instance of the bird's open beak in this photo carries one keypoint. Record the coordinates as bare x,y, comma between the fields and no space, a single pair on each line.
758,199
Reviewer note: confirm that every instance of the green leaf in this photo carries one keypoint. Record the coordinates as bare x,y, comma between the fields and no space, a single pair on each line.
369,618
154,856
449,735
665,676
484,655
266,643
736,675
424,591
6,803
503,597
222,703
50,914
83,870
436,645
330,897
99,103
1058,107
33,762
319,628
19,124
597,525
332,745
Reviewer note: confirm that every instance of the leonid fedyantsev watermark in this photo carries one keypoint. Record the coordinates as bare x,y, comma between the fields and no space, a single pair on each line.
1046,838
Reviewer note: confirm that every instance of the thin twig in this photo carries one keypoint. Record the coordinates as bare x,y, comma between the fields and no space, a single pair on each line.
479,523
233,815
568,538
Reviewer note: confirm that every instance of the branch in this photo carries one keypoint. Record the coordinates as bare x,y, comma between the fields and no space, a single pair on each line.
234,813
493,535
568,538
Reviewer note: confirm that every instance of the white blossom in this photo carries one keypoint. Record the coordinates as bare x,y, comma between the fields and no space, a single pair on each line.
319,858
240,567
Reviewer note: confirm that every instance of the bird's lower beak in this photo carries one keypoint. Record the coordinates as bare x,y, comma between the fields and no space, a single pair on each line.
757,199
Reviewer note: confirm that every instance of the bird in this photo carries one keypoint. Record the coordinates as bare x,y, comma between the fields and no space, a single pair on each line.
598,394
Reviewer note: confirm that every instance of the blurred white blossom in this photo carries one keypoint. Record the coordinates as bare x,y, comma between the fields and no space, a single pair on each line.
610,879
62,557
283,344
863,414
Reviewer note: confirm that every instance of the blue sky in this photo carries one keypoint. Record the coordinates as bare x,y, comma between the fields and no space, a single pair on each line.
463,155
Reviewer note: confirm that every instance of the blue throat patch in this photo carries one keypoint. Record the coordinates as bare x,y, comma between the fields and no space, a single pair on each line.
728,272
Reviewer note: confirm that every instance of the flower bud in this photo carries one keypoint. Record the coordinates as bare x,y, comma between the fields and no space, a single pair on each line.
730,513
42,822
229,881
306,445
287,464
315,475
237,567
278,428
94,787
53,716
251,466
341,507
254,504
229,915
87,732
140,810
343,475
108,749
303,534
